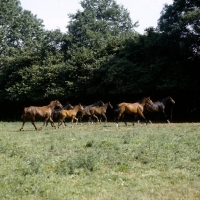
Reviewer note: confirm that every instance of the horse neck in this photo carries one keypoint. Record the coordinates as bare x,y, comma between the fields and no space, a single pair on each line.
52,105
66,107
165,100
143,103
105,106
76,108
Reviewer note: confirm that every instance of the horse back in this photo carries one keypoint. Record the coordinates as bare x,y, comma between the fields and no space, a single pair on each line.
39,112
133,108
67,113
156,107
96,110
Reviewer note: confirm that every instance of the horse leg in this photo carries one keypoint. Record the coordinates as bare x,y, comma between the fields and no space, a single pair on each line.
104,117
76,120
117,119
96,117
24,121
142,115
89,120
123,117
60,122
72,121
33,122
147,116
52,123
45,121
165,116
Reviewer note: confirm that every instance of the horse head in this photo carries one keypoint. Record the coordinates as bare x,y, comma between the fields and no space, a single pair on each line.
100,103
171,100
148,101
68,106
80,107
57,104
110,105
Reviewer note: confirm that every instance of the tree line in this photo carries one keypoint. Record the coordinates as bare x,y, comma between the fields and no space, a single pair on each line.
100,56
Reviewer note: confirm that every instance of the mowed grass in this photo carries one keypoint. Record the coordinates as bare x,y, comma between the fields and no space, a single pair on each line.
100,161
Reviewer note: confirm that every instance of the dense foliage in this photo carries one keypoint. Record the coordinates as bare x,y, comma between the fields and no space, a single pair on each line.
100,56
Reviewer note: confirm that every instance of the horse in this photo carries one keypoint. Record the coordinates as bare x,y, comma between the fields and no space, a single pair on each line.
159,107
45,112
69,114
132,108
55,113
86,111
94,111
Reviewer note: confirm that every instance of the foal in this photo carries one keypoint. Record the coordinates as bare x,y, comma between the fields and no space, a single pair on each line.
69,114
94,111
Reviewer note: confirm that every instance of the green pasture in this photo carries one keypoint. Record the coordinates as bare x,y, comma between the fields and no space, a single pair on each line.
100,161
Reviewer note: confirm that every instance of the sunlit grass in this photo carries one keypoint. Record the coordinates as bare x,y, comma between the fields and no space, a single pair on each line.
100,161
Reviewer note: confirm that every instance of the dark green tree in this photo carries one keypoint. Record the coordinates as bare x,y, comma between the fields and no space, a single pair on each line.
180,22
25,47
89,32
98,21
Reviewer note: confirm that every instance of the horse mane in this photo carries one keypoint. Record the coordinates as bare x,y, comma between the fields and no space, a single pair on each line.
164,99
66,104
141,100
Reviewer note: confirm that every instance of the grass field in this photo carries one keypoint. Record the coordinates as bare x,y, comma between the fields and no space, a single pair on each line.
99,161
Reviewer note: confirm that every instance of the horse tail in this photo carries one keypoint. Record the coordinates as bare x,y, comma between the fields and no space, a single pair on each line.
117,109
24,113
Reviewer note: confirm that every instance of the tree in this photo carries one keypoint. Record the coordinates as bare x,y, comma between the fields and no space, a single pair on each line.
181,24
98,21
89,32
24,44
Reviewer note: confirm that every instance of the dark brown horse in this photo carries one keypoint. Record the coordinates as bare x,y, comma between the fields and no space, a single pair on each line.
132,108
69,114
101,111
33,112
159,107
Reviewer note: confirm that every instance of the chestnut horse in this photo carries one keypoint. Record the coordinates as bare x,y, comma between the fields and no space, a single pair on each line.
33,112
69,114
94,111
132,108
55,113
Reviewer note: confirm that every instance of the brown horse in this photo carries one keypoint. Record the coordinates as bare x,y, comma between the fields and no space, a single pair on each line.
94,111
55,113
33,112
132,108
86,111
69,114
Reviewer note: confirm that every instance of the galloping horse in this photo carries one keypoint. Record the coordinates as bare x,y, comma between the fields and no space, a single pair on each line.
69,114
159,107
33,112
86,111
132,108
55,113
100,111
